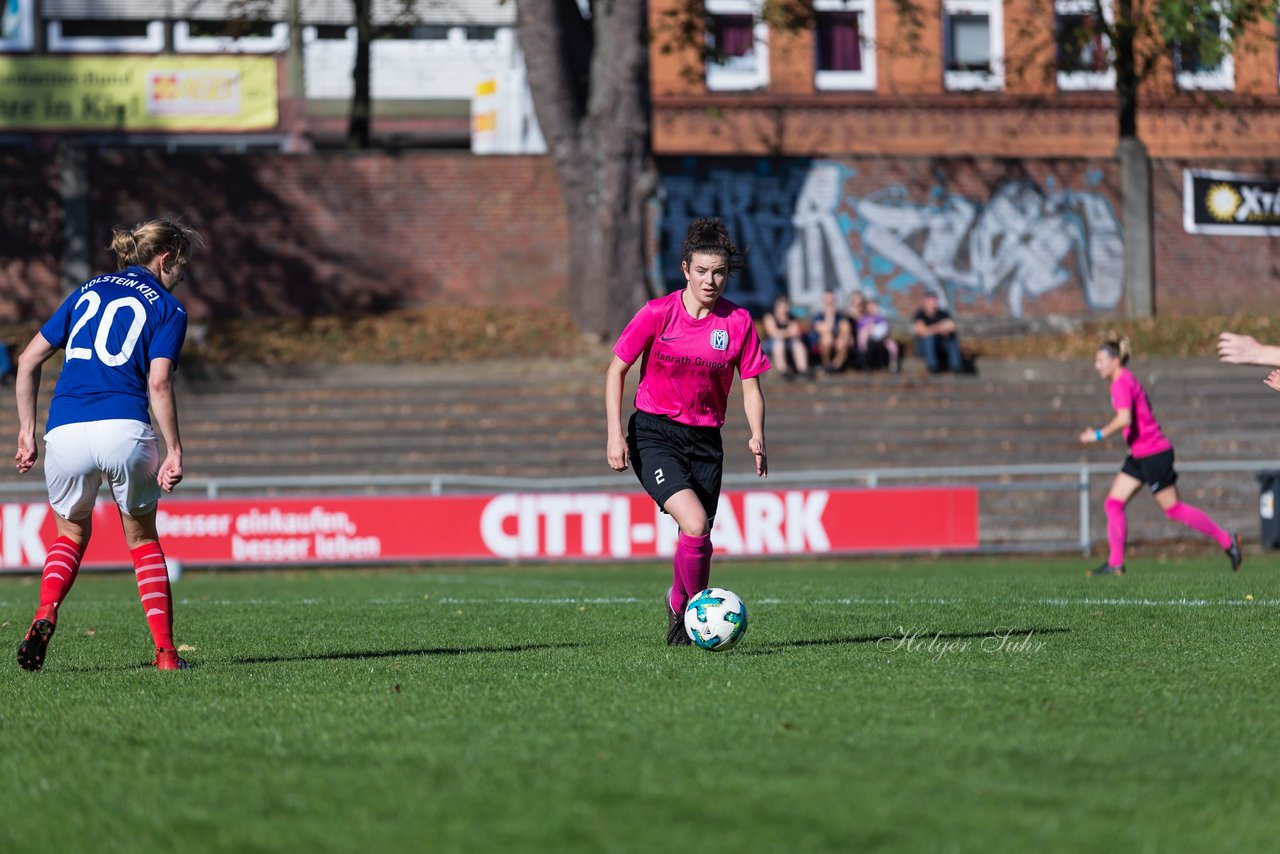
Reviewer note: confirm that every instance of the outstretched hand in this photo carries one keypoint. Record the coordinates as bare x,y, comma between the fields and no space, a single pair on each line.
1273,380
1235,349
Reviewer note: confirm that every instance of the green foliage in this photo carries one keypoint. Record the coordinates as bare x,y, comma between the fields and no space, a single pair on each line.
529,709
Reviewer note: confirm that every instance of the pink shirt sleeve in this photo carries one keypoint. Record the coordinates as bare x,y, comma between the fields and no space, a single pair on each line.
753,362
638,335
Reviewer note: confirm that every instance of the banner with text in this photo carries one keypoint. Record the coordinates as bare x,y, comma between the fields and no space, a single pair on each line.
1230,203
133,93
513,526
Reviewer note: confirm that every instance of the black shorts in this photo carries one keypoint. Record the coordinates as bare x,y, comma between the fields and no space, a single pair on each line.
1156,471
668,456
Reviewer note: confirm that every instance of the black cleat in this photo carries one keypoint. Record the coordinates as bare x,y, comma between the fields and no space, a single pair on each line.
31,650
1234,553
1105,569
676,635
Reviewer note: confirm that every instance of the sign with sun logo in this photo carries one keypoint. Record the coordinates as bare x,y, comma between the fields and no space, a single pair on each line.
1230,203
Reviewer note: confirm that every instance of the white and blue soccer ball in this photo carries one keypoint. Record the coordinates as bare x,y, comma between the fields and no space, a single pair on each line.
715,619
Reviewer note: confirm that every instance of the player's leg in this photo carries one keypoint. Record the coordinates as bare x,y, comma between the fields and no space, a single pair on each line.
654,443
691,563
1123,488
72,481
1200,521
130,457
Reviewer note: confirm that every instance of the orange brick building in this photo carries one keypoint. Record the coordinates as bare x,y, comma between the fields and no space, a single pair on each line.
971,152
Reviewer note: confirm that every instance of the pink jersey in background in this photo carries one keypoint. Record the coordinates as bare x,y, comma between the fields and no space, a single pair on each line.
688,363
1143,433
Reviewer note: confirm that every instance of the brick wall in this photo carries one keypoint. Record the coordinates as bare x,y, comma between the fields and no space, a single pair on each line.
324,233
335,232
1210,274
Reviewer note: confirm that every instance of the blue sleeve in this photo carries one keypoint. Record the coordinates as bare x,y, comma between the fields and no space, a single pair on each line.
167,342
57,328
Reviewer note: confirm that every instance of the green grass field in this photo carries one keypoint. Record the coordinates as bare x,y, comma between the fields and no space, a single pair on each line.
482,709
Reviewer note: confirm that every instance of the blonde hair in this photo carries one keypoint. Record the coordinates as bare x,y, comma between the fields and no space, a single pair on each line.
144,242
1118,348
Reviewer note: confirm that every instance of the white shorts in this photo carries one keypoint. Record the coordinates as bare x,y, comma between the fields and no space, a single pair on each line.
78,456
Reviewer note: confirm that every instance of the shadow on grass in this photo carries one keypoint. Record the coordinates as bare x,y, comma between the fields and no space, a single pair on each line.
336,656
398,653
916,637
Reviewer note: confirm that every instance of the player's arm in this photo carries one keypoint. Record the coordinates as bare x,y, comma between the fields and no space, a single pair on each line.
165,408
27,390
1123,418
1237,349
753,402
614,379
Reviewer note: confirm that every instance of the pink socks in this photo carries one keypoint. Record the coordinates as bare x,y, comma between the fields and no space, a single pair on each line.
1117,531
1197,520
692,569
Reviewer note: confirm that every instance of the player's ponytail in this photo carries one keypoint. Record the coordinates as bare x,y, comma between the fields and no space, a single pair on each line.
1119,348
710,236
144,241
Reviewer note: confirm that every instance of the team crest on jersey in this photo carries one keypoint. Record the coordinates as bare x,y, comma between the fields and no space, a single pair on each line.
719,339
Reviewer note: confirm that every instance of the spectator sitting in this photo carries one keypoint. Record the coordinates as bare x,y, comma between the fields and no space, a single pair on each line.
935,333
876,349
831,348
847,334
784,336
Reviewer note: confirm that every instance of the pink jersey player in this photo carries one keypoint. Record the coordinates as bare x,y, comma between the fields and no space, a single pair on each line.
1150,462
690,343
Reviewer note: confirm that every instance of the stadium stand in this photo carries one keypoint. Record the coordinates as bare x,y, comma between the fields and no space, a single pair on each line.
542,419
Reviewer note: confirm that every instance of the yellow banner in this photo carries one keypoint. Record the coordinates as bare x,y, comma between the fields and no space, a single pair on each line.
138,93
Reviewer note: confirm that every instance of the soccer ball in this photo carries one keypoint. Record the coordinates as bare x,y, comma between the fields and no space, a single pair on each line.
715,619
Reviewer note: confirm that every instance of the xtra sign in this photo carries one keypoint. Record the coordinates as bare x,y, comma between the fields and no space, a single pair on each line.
512,526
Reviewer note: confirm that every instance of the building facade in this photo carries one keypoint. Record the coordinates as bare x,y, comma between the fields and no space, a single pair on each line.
968,148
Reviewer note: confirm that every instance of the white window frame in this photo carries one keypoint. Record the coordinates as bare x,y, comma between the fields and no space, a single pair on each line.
152,42
857,80
962,81
1079,81
721,79
184,42
1220,79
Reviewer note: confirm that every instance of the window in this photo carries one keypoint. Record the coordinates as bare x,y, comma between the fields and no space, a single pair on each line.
737,44
230,37
106,35
844,31
973,44
1193,70
1084,58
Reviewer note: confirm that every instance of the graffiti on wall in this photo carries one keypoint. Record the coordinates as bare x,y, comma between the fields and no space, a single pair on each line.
806,233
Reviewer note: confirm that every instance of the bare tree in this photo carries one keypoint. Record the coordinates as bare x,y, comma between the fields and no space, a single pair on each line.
588,73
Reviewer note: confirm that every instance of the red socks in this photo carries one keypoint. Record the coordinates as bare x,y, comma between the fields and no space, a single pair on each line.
61,565
153,588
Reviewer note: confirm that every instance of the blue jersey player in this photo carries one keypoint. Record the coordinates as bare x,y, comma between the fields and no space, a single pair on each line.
122,334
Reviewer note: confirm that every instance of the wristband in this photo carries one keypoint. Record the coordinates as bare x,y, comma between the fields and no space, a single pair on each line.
1097,435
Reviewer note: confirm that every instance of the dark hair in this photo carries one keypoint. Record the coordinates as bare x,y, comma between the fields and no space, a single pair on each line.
710,236
141,243
1117,348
